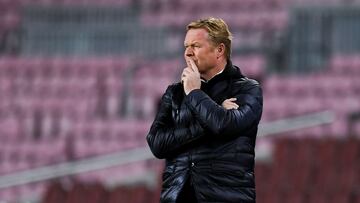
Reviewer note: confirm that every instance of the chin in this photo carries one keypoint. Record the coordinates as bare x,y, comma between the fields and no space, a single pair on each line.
201,71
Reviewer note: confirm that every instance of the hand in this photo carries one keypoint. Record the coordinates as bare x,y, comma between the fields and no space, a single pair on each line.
230,104
190,77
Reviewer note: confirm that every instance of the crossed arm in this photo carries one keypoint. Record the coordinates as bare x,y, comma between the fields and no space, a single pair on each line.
166,139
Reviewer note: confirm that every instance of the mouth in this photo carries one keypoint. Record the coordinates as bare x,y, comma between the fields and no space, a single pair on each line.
195,60
187,58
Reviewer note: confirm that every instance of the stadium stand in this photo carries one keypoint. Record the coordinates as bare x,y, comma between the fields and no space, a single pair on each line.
65,98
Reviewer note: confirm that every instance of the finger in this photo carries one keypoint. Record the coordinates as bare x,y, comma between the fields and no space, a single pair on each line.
183,78
232,104
232,107
230,100
186,74
188,70
182,75
188,62
185,70
187,59
193,65
226,102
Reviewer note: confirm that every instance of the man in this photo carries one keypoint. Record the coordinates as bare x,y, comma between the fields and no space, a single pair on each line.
206,125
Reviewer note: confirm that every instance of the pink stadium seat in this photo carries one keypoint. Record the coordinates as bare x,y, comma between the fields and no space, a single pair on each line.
65,92
7,194
10,19
299,176
345,64
10,129
251,66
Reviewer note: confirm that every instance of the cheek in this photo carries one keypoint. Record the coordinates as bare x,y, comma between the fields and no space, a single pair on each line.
205,57
200,55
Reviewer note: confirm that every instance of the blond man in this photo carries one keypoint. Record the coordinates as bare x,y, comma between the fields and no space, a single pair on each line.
206,125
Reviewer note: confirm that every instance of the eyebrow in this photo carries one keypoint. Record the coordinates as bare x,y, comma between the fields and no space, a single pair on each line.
194,43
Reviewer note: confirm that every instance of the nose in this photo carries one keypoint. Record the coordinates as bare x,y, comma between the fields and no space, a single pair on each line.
189,52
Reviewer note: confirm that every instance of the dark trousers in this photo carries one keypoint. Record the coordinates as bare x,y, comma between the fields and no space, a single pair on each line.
187,194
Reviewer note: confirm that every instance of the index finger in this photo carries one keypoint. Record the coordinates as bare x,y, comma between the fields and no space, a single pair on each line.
188,62
193,65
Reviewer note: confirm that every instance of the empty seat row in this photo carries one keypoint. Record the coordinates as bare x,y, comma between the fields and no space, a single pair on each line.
324,85
96,193
345,64
310,170
262,20
64,68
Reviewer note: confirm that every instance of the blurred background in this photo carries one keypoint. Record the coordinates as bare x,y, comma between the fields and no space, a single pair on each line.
80,82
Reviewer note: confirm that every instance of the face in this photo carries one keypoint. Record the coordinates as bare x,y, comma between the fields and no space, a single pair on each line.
199,48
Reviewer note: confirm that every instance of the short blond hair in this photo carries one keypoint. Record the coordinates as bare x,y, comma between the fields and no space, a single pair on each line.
218,32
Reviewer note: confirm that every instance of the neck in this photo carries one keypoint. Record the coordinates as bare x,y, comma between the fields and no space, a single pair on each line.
214,71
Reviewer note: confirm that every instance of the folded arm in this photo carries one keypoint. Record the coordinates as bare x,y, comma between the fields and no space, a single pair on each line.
164,138
220,121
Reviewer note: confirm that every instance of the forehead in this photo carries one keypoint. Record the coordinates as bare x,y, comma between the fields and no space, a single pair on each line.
196,35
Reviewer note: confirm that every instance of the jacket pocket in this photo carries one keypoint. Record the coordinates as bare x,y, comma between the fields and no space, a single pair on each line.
231,175
228,168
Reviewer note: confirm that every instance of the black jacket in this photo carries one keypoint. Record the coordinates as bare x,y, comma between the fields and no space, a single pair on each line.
203,141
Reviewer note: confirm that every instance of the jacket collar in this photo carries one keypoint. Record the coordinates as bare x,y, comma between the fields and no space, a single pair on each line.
203,80
230,72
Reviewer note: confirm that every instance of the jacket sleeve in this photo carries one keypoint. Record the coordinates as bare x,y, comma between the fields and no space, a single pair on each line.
220,121
164,138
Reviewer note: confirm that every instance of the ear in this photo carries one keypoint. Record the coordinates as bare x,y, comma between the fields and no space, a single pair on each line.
220,50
